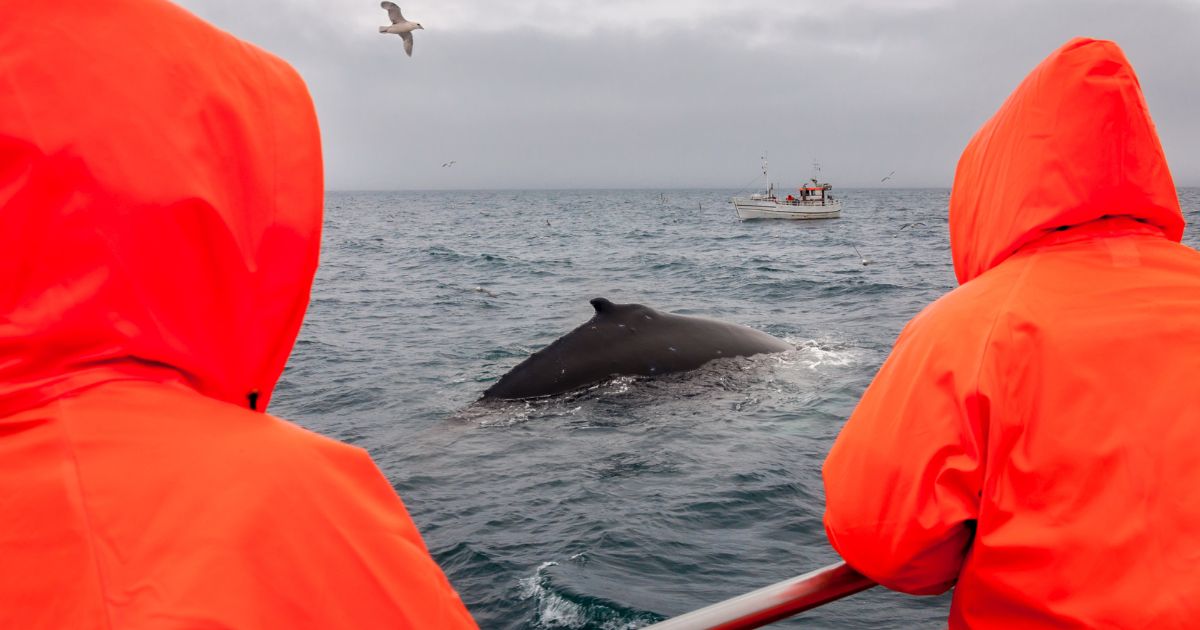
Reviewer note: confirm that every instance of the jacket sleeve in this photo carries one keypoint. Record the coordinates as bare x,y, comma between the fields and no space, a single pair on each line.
904,477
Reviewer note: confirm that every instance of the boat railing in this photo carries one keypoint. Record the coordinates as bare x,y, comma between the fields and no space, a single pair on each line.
772,603
807,201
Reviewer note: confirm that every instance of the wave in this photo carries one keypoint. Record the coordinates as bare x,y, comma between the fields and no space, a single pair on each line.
559,607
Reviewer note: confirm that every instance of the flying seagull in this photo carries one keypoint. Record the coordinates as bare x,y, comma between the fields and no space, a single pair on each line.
400,26
450,163
889,176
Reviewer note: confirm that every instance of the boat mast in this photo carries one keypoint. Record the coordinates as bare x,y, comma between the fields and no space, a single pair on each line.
770,184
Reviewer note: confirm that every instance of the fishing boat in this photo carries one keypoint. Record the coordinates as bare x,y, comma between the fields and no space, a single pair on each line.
810,201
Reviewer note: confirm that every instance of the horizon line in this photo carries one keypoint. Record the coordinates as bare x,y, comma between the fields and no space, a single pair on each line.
631,188
609,188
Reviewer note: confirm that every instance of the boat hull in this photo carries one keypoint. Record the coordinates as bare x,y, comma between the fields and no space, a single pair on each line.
772,209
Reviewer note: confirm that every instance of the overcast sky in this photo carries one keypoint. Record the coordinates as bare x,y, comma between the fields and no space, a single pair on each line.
675,94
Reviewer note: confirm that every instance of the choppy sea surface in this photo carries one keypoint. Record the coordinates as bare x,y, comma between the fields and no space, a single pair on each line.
637,499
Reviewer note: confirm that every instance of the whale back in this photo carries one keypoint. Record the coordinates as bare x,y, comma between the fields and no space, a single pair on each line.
628,340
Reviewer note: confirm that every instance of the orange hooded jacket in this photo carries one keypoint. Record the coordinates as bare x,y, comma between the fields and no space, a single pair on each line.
160,215
1032,437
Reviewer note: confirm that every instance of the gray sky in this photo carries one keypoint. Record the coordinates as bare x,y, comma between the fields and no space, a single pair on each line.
673,94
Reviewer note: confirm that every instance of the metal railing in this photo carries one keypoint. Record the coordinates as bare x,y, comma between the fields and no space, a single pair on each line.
774,602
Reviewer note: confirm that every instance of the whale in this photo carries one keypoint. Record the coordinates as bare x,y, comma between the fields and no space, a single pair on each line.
628,340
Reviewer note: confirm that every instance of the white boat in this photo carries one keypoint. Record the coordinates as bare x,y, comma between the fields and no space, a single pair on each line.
810,201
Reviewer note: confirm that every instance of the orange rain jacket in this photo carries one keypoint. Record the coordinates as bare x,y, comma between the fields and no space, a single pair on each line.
1033,435
160,215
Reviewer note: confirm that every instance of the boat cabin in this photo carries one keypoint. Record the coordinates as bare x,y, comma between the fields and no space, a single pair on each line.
813,193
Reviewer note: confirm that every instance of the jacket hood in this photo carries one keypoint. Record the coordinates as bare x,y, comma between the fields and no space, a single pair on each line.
1073,143
160,202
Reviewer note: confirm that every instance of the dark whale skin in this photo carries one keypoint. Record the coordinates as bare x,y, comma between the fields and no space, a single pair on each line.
628,340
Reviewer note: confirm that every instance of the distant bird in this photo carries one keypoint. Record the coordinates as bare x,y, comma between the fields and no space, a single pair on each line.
865,262
889,176
912,225
484,291
450,163
400,26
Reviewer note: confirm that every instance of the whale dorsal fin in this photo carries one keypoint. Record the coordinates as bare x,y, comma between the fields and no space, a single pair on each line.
602,305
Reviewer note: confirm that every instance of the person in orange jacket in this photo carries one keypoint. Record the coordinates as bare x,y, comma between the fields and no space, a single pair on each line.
160,215
1031,438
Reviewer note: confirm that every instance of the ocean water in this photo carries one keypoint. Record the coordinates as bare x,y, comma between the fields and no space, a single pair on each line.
637,499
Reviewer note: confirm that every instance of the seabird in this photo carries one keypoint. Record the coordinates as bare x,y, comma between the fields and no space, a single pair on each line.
450,163
400,26
865,262
889,176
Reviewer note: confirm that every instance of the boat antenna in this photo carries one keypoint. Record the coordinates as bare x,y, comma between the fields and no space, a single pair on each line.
770,184
750,183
